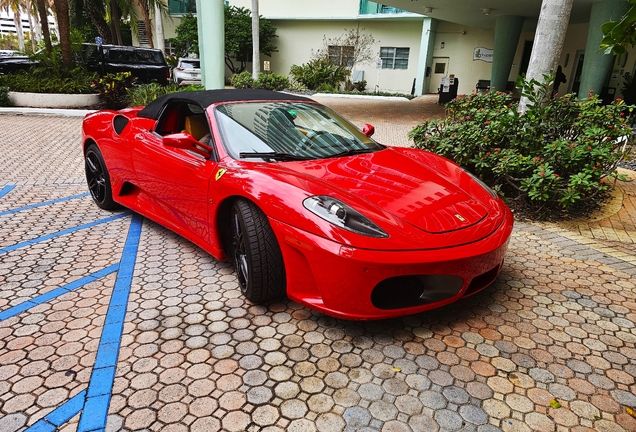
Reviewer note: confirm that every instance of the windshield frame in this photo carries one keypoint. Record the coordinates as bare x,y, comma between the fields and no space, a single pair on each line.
238,138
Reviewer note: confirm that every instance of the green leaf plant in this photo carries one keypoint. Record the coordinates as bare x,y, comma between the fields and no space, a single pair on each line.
559,156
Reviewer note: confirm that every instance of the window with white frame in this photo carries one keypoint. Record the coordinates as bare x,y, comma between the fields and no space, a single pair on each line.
341,55
394,58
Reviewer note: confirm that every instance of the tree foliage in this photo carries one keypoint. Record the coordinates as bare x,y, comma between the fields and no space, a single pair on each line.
319,73
187,39
238,37
352,48
618,35
559,154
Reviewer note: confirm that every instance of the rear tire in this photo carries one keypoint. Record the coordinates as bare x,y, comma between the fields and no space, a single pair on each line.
255,253
98,179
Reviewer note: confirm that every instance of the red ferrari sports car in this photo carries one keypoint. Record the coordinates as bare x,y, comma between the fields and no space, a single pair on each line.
302,202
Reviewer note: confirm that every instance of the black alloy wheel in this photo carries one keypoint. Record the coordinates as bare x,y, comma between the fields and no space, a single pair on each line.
255,253
98,179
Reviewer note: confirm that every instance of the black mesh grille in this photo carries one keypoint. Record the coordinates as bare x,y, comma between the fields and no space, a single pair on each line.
408,291
119,123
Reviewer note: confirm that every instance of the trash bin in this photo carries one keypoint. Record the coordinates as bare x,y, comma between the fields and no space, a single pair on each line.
448,90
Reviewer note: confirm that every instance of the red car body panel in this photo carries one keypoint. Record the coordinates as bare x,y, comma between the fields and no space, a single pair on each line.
413,195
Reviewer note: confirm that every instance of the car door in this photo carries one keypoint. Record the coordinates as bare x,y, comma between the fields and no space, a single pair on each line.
174,181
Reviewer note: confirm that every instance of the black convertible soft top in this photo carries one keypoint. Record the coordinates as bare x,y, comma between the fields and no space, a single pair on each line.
205,98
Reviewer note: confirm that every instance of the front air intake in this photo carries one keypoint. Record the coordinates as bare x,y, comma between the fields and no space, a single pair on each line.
408,291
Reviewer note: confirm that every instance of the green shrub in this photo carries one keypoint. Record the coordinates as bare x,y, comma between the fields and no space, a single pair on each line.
326,88
190,87
4,97
271,81
360,85
41,80
559,153
242,80
144,94
318,72
296,86
113,89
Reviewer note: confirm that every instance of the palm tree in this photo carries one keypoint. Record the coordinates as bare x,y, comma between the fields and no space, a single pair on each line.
15,6
97,11
64,28
159,28
44,23
114,12
158,8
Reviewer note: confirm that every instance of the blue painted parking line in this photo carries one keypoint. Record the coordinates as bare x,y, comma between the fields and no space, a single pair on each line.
56,418
21,307
100,387
45,203
5,190
61,233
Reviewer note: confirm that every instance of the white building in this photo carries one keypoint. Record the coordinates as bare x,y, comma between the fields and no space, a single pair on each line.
449,37
8,28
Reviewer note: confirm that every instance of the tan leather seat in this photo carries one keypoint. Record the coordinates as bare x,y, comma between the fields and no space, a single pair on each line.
197,126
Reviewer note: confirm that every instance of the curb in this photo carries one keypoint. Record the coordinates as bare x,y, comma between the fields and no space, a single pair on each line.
45,111
349,96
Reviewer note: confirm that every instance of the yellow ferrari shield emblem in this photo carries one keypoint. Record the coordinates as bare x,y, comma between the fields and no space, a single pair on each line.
220,173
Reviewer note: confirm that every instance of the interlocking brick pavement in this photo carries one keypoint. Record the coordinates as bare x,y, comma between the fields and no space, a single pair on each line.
558,324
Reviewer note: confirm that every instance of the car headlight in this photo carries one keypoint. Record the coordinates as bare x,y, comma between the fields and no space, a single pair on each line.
342,215
492,193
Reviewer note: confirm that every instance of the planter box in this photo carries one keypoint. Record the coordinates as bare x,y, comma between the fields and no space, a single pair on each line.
53,100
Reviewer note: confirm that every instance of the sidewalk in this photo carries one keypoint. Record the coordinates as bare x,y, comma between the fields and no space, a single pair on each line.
549,347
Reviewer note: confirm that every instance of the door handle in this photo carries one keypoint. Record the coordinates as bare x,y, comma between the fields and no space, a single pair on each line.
139,136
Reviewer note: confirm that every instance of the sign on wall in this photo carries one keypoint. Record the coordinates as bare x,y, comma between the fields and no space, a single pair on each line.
483,54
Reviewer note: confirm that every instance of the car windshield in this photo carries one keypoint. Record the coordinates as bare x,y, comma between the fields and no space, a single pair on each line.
190,64
288,131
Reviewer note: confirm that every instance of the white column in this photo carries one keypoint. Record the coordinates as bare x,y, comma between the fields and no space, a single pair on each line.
211,24
429,26
256,46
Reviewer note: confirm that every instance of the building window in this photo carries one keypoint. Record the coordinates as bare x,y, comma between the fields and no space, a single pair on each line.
341,55
169,48
394,58
390,10
182,6
369,7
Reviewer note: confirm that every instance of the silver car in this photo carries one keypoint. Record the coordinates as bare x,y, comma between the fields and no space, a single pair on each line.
188,71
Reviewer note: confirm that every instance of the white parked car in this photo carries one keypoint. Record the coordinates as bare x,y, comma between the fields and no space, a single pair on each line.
188,71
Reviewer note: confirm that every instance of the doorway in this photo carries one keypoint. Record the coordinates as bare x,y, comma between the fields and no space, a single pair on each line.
575,78
439,71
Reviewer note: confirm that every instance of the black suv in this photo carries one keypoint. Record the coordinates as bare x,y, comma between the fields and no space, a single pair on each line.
146,64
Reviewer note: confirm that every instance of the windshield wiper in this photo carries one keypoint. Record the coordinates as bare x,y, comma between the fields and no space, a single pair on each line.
352,152
277,156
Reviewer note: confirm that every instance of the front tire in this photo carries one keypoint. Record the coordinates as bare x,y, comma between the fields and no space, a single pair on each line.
98,179
255,253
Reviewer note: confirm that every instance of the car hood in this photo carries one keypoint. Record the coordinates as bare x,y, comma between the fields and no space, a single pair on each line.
428,196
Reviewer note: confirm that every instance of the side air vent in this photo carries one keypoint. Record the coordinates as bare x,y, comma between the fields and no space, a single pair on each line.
119,123
482,281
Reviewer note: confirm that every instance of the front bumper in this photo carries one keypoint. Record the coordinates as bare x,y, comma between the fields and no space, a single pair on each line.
340,281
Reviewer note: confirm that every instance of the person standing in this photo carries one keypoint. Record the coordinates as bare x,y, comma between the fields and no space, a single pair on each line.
558,79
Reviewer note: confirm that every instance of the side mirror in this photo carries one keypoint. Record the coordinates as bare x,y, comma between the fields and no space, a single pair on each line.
368,130
186,141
